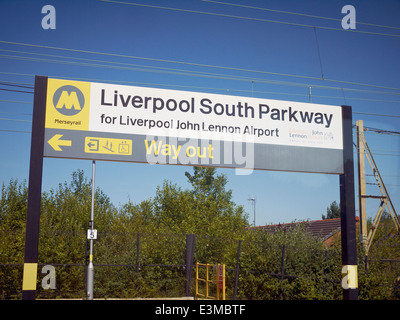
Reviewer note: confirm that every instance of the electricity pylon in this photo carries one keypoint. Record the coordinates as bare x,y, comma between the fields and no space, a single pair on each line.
363,152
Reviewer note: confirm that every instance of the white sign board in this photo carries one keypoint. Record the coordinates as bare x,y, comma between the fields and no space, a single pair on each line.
147,111
136,124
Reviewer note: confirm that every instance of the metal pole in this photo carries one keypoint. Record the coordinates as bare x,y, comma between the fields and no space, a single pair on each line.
91,227
254,208
35,191
253,199
347,212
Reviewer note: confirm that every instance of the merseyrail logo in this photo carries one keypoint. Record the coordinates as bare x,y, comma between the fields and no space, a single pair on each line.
67,104
68,100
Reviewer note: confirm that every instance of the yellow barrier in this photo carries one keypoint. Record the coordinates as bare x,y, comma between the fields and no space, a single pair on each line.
218,279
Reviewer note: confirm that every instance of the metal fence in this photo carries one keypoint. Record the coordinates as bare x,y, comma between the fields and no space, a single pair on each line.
163,265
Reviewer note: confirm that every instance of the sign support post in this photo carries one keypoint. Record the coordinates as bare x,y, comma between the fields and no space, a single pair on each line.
34,191
90,274
347,212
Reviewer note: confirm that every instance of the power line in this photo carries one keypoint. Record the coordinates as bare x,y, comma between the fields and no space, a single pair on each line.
249,18
200,74
200,65
218,76
17,120
379,131
241,90
14,101
212,75
18,131
384,175
299,14
11,90
397,152
384,154
134,68
382,131
158,60
16,113
378,114
13,84
19,84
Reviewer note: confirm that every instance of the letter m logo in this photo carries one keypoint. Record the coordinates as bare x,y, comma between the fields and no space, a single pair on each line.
68,100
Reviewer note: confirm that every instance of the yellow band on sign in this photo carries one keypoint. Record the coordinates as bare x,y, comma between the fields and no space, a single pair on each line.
108,146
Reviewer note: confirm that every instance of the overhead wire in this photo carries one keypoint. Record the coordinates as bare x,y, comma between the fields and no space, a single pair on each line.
14,84
17,120
12,90
241,90
15,131
202,65
24,85
15,101
249,18
211,75
196,73
298,14
377,114
220,89
381,131
16,113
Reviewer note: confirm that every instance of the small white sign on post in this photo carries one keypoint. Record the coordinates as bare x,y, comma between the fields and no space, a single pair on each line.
92,234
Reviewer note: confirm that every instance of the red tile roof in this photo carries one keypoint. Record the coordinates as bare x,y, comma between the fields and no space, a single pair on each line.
319,228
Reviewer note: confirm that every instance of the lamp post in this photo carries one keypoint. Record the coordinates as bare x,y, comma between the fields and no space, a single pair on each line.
253,199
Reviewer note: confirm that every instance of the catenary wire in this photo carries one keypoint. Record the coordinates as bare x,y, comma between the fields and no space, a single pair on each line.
200,65
12,90
249,18
238,90
196,73
199,74
298,14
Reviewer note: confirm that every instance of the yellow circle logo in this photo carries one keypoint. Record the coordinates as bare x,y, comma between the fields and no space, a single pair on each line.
67,104
68,100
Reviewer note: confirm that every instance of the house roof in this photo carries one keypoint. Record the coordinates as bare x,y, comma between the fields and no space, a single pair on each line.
323,229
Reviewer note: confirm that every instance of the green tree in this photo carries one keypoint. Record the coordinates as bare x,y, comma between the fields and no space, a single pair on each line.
212,203
13,205
332,212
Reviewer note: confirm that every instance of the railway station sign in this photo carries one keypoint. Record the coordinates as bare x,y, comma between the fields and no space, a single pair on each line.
87,120
97,121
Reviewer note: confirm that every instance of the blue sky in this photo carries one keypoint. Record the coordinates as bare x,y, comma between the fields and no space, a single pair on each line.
129,44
